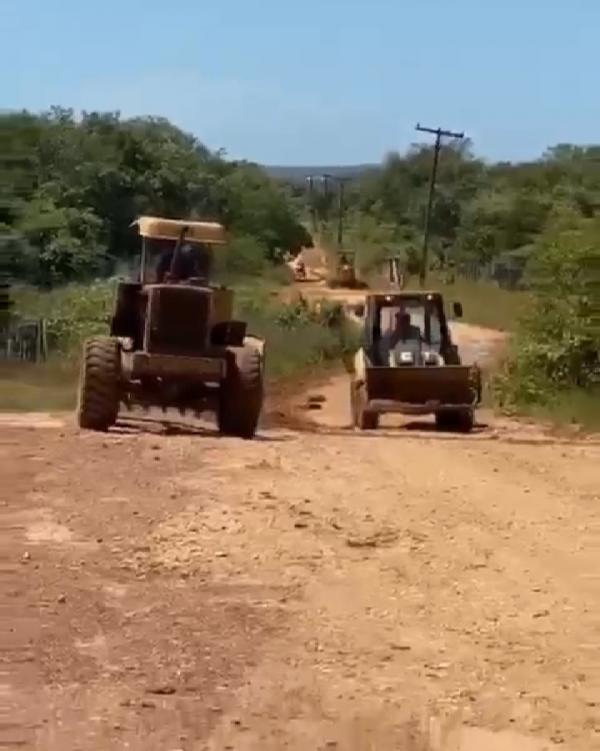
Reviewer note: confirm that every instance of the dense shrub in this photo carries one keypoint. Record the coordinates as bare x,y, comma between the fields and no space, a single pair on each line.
557,346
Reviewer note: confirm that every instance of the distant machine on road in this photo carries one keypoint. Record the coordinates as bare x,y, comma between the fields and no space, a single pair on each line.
344,272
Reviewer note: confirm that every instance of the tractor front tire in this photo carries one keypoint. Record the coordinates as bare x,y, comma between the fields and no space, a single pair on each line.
241,397
361,417
455,421
99,385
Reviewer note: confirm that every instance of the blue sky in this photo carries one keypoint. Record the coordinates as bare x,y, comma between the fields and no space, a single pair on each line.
318,81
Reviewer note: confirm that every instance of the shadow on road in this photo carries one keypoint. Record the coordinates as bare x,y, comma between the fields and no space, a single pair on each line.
154,426
416,430
431,427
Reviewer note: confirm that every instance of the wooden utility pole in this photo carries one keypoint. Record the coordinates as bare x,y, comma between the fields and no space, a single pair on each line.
325,181
6,268
311,200
341,208
439,134
341,205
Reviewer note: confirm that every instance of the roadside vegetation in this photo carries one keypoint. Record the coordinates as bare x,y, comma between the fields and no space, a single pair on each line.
73,187
516,243
486,218
485,303
553,368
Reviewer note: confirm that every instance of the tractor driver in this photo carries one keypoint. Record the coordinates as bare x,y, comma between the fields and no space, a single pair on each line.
186,267
404,331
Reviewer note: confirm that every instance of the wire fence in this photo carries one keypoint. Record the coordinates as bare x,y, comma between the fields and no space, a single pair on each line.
22,339
506,275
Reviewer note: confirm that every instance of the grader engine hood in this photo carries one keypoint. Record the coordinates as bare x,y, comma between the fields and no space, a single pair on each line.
178,318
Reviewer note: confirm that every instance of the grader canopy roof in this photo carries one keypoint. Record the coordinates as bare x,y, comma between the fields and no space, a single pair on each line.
210,233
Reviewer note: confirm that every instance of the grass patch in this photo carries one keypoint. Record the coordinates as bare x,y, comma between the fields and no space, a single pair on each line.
485,304
72,313
45,387
572,407
296,342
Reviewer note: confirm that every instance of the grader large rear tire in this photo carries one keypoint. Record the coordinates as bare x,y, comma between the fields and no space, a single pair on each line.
241,397
99,393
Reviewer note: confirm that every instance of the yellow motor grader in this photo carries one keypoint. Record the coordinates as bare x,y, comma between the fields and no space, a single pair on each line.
173,341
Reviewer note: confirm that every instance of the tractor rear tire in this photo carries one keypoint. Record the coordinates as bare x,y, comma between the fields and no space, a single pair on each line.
241,397
455,421
361,417
99,385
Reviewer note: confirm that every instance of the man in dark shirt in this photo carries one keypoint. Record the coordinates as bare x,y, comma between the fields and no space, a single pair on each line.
404,330
186,267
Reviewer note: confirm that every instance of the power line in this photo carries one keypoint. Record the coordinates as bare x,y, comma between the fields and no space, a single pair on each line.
325,179
439,134
341,181
311,201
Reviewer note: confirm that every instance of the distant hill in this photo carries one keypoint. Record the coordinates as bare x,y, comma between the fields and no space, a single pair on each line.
299,174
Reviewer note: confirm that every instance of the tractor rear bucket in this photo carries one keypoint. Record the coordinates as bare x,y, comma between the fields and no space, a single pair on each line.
421,390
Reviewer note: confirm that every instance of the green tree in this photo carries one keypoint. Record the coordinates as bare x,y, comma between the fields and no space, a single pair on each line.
73,186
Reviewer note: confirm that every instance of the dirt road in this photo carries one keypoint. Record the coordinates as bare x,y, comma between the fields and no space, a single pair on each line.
317,588
309,590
